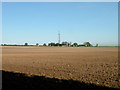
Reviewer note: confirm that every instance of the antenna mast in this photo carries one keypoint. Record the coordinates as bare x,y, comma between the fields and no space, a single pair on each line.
59,37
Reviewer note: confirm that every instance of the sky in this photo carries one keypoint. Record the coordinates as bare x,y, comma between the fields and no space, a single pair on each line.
60,0
40,22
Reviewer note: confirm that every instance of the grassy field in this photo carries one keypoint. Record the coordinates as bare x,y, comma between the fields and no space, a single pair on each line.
96,66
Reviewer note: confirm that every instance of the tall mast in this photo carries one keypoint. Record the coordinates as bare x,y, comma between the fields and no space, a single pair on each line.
59,37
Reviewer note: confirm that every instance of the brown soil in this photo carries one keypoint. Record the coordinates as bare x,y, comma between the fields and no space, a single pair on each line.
95,65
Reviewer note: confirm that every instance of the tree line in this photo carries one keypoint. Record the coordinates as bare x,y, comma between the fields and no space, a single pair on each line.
67,44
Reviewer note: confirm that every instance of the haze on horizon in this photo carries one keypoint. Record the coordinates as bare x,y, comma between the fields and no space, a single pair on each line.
39,22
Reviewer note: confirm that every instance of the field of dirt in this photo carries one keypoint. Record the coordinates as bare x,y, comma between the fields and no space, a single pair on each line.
94,65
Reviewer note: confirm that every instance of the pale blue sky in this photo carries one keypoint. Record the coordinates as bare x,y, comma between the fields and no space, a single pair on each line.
77,22
60,0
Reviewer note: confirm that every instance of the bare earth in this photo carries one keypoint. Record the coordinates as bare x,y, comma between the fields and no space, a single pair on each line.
97,65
